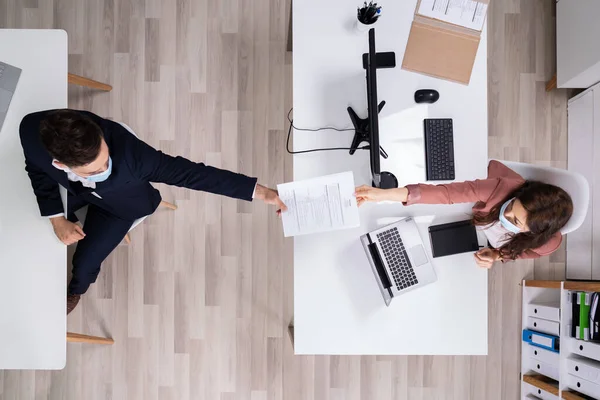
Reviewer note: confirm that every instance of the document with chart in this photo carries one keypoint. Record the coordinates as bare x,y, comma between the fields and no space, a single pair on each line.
320,204
467,13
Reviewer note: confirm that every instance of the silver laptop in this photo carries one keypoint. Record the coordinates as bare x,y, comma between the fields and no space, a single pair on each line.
398,259
9,77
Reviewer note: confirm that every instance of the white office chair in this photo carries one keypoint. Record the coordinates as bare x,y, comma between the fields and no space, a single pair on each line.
81,213
573,183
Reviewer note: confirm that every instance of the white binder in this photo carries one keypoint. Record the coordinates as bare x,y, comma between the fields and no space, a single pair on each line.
549,370
544,355
586,349
536,393
583,386
544,326
544,311
584,368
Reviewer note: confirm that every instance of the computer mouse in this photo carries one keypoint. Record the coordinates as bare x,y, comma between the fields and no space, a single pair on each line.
428,96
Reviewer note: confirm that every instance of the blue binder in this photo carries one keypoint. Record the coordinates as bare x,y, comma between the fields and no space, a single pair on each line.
541,340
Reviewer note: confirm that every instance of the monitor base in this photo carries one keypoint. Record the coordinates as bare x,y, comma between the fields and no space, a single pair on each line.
388,181
362,132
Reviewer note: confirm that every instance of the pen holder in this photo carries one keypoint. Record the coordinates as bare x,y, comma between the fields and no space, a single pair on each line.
367,15
360,27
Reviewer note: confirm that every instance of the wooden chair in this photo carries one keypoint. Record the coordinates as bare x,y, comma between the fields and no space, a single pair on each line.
81,81
138,221
79,338
551,84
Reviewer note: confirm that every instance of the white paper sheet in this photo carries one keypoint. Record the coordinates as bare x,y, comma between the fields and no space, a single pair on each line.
467,13
320,204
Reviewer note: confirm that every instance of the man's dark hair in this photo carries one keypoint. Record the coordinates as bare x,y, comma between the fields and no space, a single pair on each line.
71,137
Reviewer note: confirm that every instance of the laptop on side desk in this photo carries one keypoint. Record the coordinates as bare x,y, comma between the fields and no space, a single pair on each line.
9,77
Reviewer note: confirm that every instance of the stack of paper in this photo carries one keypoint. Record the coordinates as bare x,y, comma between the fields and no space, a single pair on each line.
320,204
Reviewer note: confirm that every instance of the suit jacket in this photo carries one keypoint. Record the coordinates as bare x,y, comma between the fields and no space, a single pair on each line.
127,193
485,193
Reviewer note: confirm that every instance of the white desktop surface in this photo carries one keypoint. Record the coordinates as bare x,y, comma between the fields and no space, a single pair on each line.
338,308
33,265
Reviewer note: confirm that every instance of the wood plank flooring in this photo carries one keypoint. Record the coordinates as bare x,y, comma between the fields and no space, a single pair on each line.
199,303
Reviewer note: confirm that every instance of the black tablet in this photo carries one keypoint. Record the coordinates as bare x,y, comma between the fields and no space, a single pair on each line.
453,238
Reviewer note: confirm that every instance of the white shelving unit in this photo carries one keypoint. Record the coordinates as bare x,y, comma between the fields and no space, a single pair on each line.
583,155
574,372
577,47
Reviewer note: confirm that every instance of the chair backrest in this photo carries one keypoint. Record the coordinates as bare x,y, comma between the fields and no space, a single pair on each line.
127,127
572,182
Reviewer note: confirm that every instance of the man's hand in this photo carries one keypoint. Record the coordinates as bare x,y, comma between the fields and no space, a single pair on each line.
269,196
67,231
485,258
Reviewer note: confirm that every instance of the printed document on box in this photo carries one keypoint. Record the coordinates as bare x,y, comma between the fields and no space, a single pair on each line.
467,13
320,204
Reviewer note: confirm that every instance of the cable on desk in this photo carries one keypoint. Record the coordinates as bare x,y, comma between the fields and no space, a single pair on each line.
291,121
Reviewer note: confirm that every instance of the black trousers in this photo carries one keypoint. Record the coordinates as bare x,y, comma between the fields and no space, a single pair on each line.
103,232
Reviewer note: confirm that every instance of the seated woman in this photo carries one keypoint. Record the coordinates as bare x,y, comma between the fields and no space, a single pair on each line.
521,219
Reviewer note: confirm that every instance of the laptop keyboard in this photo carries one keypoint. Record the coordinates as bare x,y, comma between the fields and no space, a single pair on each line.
397,259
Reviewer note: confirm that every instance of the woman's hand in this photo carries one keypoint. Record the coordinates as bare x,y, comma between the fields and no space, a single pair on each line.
485,258
366,193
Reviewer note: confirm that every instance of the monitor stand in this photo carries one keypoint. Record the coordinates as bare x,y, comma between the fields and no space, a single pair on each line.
361,131
387,181
362,134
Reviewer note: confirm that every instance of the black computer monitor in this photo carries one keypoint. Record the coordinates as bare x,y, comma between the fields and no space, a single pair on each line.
368,129
372,109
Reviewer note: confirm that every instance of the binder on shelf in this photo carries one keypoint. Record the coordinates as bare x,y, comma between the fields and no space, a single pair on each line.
544,326
544,355
541,340
548,311
585,349
532,397
595,317
573,299
537,393
549,370
584,301
584,368
583,386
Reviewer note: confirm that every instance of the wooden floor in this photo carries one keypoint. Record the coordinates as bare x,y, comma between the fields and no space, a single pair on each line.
199,303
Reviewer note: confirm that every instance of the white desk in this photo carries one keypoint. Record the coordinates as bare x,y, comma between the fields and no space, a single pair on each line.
32,260
338,308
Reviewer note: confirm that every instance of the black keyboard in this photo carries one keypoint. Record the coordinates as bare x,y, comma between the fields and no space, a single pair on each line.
397,259
439,149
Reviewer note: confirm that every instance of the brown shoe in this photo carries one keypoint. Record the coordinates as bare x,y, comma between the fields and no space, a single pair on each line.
72,301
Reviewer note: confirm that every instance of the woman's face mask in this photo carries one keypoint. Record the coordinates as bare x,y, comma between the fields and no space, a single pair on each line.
508,225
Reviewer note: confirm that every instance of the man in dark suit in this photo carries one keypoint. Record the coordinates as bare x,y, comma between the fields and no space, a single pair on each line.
104,166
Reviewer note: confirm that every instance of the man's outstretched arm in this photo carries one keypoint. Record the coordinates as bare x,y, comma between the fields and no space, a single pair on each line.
155,166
